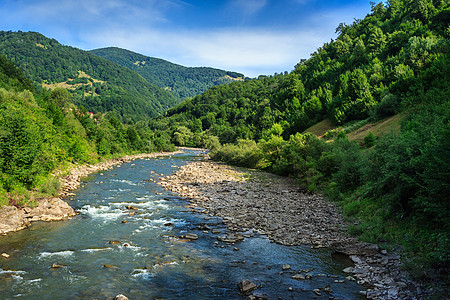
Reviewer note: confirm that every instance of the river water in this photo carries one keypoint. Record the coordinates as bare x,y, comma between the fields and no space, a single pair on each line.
109,249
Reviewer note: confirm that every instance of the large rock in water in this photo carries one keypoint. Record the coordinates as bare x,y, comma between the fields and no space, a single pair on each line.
120,297
246,286
47,209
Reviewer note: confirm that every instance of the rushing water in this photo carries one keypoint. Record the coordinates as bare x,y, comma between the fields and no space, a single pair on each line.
108,249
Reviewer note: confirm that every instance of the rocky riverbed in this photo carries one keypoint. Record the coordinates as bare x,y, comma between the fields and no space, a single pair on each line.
55,209
281,209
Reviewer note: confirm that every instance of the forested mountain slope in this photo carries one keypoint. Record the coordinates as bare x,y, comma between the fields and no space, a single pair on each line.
182,82
394,187
41,133
95,83
375,68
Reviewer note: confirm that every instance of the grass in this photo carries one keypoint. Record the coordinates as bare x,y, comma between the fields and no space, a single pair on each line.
319,129
378,128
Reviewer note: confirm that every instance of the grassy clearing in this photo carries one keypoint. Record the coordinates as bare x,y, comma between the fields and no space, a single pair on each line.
379,128
319,129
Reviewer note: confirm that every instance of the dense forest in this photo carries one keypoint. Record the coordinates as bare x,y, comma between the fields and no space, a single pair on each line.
394,185
182,82
42,133
95,83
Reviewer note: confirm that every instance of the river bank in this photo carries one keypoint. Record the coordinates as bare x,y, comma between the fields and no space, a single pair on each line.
13,219
282,210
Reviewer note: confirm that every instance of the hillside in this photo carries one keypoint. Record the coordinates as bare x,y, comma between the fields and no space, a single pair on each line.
95,83
387,72
182,82
41,133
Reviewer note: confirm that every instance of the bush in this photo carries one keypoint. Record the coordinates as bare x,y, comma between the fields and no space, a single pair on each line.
245,153
369,140
388,106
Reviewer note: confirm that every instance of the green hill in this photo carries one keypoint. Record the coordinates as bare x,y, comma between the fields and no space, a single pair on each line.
42,133
95,83
385,82
182,82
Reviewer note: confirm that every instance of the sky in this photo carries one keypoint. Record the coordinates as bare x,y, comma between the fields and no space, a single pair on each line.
253,37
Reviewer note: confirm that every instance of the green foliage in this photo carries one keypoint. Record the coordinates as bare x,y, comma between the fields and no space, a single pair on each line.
244,153
115,88
369,140
43,132
182,82
395,59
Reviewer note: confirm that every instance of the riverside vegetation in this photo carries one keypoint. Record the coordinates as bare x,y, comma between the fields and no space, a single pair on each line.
43,133
393,185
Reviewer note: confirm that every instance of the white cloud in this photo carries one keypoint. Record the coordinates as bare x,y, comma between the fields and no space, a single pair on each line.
252,52
146,27
247,7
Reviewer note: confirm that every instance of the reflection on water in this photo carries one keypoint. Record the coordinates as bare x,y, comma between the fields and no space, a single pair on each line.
126,240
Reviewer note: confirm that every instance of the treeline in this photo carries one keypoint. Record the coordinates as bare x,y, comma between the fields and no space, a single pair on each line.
396,186
182,82
115,88
43,132
375,68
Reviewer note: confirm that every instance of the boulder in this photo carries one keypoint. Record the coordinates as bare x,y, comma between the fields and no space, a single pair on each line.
246,286
57,266
191,236
120,297
231,238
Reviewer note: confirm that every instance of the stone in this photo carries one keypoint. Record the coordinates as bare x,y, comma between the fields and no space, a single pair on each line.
246,286
57,266
298,277
286,267
114,242
356,259
260,296
191,236
231,238
120,297
6,255
327,289
110,266
317,292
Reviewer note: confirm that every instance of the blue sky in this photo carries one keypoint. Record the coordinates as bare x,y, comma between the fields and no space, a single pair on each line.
253,37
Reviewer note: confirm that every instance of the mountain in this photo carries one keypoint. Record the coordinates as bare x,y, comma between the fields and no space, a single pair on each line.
43,132
182,82
94,82
393,186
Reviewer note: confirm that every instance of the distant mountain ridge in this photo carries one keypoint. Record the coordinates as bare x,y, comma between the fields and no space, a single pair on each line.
94,82
183,82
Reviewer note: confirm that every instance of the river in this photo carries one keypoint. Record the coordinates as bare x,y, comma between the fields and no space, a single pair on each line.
126,240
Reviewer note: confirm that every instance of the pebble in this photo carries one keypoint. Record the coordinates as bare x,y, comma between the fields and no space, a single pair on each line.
277,207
